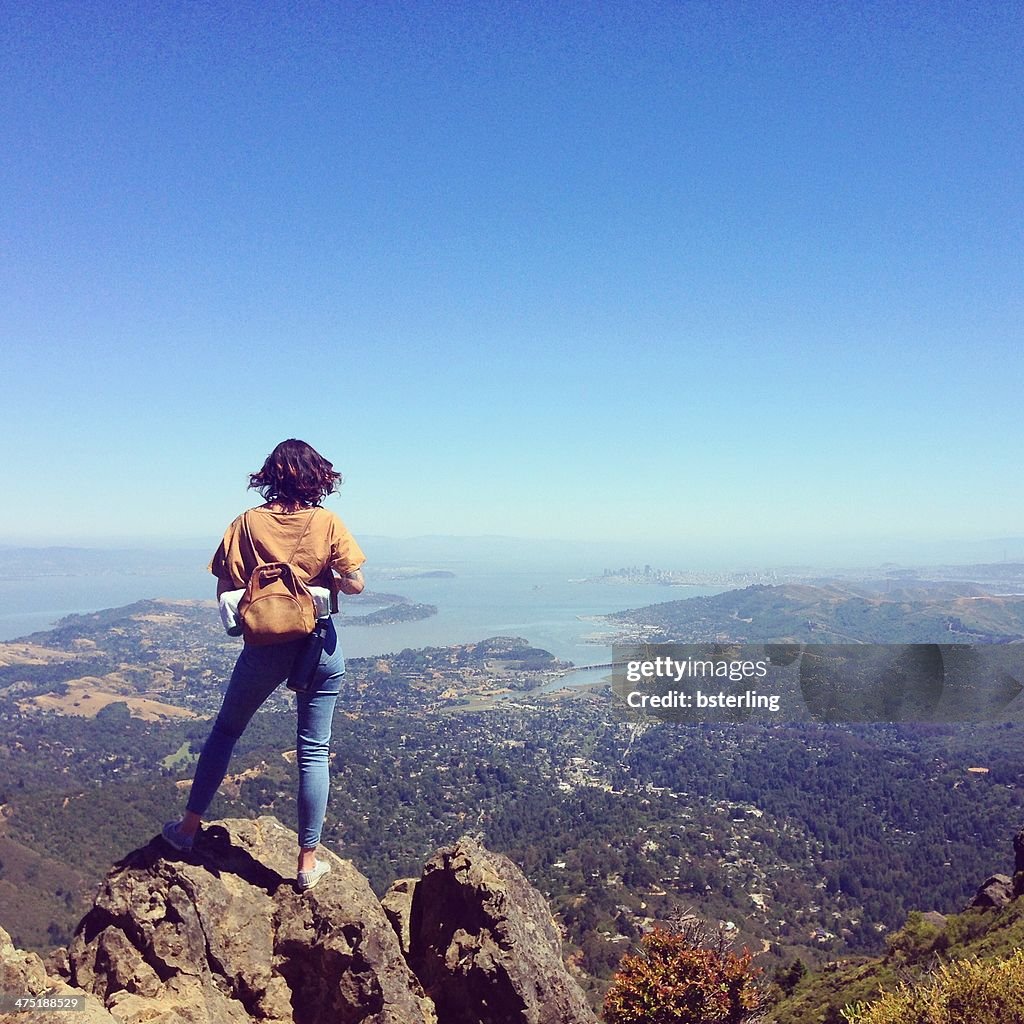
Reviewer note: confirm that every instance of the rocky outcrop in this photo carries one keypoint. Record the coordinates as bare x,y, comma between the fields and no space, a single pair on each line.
397,904
25,974
484,945
1018,866
996,891
222,936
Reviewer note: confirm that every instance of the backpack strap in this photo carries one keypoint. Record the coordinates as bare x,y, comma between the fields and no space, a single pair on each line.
248,537
333,582
252,547
302,536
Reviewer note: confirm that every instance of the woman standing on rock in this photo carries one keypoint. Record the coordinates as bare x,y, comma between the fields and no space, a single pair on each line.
290,527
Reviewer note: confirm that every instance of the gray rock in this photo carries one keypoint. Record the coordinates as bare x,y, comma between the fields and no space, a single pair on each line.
995,891
220,936
484,945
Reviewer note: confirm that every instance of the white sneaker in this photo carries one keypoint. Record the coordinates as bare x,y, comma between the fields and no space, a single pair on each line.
307,879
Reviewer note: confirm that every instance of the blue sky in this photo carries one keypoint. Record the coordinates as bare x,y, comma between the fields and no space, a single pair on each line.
719,275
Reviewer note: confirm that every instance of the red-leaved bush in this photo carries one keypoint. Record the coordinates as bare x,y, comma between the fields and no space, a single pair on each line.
675,979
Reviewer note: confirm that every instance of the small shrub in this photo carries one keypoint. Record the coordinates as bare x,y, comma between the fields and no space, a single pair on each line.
916,939
964,992
677,978
968,926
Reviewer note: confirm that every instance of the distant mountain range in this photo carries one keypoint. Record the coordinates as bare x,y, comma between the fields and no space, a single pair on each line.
732,554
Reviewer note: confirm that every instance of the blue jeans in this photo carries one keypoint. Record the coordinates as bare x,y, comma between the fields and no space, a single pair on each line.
257,673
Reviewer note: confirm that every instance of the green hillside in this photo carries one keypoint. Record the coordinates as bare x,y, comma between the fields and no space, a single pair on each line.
913,952
835,613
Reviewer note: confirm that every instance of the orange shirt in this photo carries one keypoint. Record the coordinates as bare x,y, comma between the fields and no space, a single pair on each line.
327,545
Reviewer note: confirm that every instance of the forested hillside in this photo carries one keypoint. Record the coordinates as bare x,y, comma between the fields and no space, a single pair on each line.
804,841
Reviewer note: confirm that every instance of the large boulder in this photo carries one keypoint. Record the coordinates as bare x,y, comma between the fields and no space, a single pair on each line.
996,891
220,936
25,974
484,945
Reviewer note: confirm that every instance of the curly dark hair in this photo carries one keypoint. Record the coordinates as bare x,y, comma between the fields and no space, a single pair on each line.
295,472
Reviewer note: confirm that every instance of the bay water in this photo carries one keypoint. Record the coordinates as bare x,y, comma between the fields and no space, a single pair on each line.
549,607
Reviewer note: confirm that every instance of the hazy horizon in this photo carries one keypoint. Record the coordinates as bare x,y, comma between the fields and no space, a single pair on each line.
386,552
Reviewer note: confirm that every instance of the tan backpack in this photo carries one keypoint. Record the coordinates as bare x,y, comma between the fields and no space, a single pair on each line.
277,605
